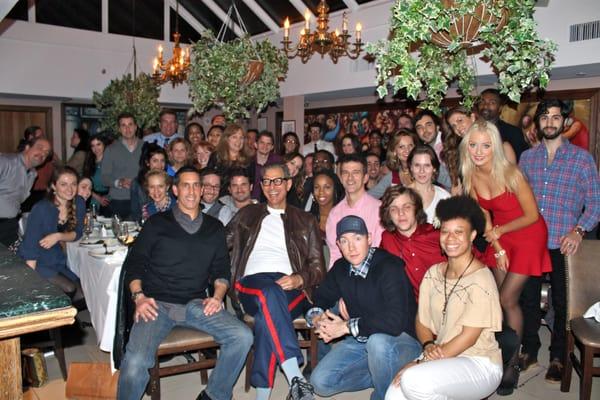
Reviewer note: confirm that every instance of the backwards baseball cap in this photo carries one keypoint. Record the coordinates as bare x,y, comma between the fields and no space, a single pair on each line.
351,223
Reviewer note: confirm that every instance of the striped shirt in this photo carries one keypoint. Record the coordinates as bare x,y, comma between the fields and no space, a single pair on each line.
563,188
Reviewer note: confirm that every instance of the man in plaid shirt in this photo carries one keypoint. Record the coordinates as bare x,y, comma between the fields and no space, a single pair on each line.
565,182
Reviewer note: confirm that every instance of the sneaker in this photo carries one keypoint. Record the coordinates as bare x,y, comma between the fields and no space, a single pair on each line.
301,390
554,373
527,361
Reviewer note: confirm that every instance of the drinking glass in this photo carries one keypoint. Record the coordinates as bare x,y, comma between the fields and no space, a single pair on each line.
122,233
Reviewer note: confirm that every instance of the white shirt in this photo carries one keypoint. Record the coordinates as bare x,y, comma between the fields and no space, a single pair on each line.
270,251
321,145
439,194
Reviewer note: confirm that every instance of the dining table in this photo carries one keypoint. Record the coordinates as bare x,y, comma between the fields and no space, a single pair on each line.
97,261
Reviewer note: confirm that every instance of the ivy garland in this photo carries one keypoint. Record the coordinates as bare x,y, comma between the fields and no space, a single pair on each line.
219,67
517,54
138,97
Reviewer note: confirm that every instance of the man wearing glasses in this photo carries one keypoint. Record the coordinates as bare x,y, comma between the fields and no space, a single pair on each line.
211,182
277,259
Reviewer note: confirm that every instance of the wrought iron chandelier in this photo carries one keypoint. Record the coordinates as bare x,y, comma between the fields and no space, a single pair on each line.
321,40
174,70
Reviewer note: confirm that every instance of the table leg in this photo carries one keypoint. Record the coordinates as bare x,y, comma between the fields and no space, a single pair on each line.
10,369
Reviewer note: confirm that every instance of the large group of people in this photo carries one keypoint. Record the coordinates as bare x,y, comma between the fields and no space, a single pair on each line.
415,255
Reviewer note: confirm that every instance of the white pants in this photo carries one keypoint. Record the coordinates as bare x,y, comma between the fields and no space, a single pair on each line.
461,378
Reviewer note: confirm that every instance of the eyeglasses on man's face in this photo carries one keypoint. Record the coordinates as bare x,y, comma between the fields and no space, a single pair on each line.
274,181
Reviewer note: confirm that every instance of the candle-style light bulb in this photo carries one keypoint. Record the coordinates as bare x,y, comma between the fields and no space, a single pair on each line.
307,20
155,65
358,30
286,28
344,23
160,52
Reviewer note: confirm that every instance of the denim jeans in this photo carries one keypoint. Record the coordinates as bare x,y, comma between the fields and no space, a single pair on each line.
234,337
351,366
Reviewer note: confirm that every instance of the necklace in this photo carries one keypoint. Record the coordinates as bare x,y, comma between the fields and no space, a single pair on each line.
447,296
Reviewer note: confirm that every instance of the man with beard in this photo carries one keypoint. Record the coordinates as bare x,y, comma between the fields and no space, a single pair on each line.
239,189
489,108
565,181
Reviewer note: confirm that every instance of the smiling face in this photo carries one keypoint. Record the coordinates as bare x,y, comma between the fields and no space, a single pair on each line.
202,156
214,136
314,133
194,134
353,177
65,187
460,123
294,166
426,129
403,214
211,185
275,194
127,128
168,125
290,144
489,107
354,247
422,169
456,237
84,188
97,147
264,145
240,188
157,162
480,148
157,188
347,146
36,154
323,190
179,153
373,166
403,148
551,123
188,192
235,142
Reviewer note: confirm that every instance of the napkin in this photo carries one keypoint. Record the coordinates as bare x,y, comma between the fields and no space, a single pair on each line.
118,256
593,312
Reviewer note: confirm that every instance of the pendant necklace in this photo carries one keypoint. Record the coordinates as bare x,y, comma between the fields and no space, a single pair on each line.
447,296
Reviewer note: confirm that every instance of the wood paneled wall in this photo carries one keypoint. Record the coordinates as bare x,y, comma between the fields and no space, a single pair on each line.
14,120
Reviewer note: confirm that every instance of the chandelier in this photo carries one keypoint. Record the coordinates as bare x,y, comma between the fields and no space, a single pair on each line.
321,41
174,70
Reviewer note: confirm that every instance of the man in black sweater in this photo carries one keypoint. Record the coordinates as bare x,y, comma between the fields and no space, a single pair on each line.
376,321
169,268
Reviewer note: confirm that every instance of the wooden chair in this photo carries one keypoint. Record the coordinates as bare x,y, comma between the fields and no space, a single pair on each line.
583,290
301,328
180,341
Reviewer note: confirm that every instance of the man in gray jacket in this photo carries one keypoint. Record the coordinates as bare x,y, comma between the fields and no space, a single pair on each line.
120,165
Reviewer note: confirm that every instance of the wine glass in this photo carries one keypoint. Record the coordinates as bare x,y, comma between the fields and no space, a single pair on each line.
88,226
122,233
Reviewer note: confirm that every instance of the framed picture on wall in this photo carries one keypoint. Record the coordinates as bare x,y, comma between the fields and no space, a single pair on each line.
288,126
261,124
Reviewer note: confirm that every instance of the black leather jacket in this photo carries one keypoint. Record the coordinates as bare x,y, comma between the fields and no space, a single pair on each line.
302,238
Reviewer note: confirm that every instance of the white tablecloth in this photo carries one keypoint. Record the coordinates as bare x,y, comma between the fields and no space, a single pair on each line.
100,281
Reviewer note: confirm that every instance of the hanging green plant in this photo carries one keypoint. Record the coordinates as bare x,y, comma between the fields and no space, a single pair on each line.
236,76
138,97
446,33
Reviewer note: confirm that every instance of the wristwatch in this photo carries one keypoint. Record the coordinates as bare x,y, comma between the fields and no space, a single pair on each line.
135,295
579,230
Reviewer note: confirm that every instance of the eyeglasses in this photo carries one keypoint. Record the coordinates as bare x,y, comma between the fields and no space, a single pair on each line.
291,141
274,181
213,187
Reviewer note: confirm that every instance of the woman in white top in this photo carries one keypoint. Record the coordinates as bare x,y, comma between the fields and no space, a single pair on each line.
459,312
424,167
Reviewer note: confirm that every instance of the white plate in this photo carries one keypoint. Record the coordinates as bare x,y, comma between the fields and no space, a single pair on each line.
100,253
103,220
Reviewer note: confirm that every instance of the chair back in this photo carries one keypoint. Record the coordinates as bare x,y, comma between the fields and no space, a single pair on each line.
583,278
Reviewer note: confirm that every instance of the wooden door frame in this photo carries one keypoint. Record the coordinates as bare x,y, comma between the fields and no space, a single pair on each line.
47,110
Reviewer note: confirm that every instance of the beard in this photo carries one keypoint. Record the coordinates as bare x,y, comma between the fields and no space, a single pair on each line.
550,133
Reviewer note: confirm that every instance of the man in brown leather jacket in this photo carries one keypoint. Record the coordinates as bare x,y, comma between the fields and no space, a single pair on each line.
277,258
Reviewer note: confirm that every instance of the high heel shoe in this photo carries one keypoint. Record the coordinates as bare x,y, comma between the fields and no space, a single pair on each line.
510,381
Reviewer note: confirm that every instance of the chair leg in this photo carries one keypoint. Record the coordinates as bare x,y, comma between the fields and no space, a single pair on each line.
59,351
249,362
565,382
203,373
154,383
314,356
587,364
